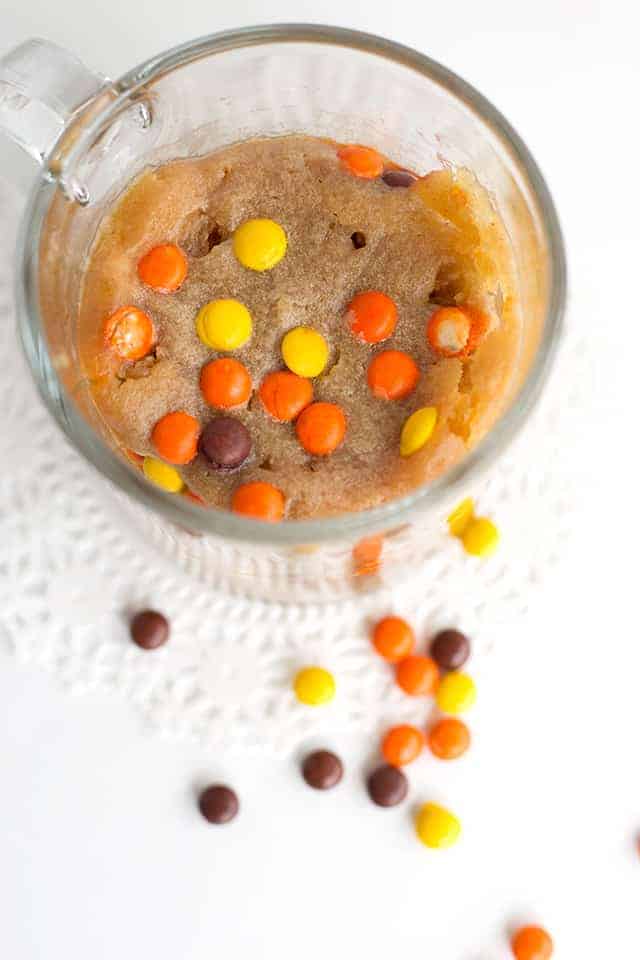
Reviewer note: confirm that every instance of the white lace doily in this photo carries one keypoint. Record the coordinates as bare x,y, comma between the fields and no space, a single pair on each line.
71,573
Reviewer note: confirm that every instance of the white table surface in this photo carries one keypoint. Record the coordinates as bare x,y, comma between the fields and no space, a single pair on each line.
101,852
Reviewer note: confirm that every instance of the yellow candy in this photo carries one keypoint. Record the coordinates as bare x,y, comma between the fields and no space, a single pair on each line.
224,324
259,244
456,693
480,537
314,686
460,518
417,430
436,826
305,351
162,475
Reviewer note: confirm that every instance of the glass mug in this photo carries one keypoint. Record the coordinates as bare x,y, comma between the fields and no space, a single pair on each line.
91,136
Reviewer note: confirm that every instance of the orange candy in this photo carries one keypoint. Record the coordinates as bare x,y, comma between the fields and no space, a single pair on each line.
449,738
456,331
259,500
393,639
402,744
285,394
366,556
418,676
130,333
392,375
225,383
361,161
532,943
175,437
163,268
372,316
320,428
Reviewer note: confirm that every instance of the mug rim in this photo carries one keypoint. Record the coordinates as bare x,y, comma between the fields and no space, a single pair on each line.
361,523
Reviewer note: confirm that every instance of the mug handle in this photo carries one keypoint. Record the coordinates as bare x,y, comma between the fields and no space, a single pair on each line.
41,87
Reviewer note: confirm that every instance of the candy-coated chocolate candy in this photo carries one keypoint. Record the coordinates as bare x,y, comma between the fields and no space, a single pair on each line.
320,428
225,383
285,394
224,324
402,745
481,537
149,629
460,518
361,161
259,244
417,676
393,638
387,786
129,332
259,500
417,430
322,770
372,316
392,375
314,686
225,443
449,738
218,804
399,178
456,693
305,351
163,268
532,943
450,649
162,475
436,826
175,437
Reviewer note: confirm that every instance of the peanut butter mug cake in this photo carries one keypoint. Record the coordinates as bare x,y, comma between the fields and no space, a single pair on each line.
291,327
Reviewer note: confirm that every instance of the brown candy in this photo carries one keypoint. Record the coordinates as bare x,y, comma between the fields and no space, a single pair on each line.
450,649
322,770
149,629
225,442
399,178
218,804
387,786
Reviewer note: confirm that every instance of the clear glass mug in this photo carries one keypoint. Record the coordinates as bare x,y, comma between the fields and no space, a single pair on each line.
91,136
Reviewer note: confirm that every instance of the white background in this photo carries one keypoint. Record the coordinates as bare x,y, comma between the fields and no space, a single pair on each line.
101,852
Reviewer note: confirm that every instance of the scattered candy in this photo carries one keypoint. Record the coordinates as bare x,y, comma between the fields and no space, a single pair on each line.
402,745
449,738
450,649
218,804
320,428
149,629
225,383
449,331
163,268
399,178
259,500
175,437
314,686
481,537
460,518
456,693
393,639
225,443
436,826
361,161
366,556
392,375
305,351
387,786
259,244
162,475
224,324
285,395
417,676
532,943
372,316
322,770
130,333
417,430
